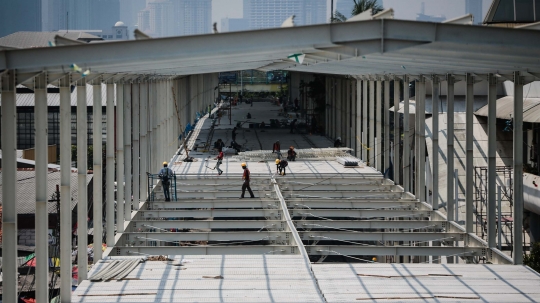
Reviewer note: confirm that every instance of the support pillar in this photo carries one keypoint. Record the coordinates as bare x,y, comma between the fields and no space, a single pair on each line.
469,164
435,138
421,114
144,141
42,214
127,145
406,136
365,142
397,132
358,137
109,173
338,120
371,142
135,105
386,150
492,160
378,127
9,197
450,202
518,169
98,172
120,198
65,189
82,171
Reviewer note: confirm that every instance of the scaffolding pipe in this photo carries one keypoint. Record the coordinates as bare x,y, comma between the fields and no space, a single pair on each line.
9,171
492,160
127,145
450,81
435,148
120,199
406,134
82,171
65,189
469,163
518,168
98,177
42,214
397,132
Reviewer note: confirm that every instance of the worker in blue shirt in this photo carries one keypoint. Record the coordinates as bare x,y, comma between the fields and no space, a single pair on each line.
165,175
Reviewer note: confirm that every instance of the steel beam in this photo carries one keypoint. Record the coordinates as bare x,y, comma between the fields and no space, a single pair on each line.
135,105
469,162
9,181
406,137
144,155
518,168
119,144
42,214
365,111
435,138
380,236
492,160
207,250
82,168
109,173
397,133
386,149
353,250
450,202
98,169
127,146
359,112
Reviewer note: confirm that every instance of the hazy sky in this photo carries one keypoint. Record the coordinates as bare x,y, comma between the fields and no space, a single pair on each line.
404,9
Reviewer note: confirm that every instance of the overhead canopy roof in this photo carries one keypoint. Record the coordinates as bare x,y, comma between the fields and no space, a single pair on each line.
373,47
505,109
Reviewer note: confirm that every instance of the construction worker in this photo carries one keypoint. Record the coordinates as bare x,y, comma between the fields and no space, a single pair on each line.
280,166
219,159
165,175
276,148
246,179
291,154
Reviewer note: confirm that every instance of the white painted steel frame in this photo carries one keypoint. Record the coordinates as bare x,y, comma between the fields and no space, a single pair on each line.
397,133
378,151
435,138
518,168
109,173
386,148
450,81
98,169
469,145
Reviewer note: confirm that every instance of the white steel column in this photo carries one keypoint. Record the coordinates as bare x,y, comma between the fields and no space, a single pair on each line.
397,132
518,168
358,137
492,160
469,164
371,142
421,114
65,189
98,172
435,139
144,141
387,150
9,197
82,191
135,142
120,147
338,120
450,148
109,173
378,127
365,143
127,144
406,134
42,214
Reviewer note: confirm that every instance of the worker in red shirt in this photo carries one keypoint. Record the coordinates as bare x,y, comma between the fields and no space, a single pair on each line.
219,159
246,178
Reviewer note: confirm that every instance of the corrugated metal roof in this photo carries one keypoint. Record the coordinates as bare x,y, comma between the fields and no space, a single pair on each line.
41,39
505,109
54,99
26,190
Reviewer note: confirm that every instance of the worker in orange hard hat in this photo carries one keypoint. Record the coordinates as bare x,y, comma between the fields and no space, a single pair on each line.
246,179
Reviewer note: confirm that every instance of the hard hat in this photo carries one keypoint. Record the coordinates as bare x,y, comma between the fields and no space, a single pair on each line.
165,163
277,161
374,259
339,138
243,164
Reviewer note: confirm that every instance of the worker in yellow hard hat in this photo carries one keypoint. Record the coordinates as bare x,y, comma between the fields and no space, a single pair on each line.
280,166
246,179
165,175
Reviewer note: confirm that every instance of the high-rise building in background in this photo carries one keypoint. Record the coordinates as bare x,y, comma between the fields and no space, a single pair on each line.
162,18
272,13
79,14
129,10
20,15
474,7
234,24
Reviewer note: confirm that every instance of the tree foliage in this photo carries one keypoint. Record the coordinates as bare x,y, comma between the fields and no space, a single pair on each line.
533,259
361,6
338,17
